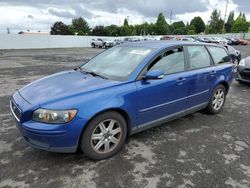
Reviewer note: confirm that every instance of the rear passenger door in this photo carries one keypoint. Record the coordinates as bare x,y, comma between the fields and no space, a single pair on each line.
201,77
222,63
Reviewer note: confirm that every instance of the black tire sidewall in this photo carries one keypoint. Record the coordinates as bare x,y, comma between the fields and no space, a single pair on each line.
210,107
85,141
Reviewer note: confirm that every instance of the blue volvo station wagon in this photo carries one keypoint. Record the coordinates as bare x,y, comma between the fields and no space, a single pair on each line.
121,91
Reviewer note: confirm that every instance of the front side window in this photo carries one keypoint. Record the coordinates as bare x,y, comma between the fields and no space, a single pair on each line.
219,55
199,57
117,63
172,61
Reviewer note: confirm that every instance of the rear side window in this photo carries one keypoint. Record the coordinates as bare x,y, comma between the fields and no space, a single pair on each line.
219,55
198,56
172,61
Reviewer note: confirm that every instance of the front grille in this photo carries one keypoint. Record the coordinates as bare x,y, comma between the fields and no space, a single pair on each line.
245,77
15,110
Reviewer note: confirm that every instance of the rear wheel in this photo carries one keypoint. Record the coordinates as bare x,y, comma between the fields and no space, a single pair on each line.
93,45
217,100
104,136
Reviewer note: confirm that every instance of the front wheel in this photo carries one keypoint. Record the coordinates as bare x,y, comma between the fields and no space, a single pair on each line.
217,100
104,136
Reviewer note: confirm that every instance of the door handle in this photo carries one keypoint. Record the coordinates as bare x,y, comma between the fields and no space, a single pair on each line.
180,80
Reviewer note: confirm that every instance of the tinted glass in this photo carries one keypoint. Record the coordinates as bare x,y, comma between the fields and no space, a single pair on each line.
218,54
117,63
199,57
172,61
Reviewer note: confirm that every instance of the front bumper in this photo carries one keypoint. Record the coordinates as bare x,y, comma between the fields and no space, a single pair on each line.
56,141
243,74
50,137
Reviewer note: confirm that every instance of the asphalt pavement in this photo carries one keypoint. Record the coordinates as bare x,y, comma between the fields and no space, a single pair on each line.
198,150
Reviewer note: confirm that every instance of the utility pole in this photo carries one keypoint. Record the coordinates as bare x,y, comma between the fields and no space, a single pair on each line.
170,18
8,30
225,17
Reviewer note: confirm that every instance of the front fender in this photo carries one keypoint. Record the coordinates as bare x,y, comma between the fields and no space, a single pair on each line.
89,104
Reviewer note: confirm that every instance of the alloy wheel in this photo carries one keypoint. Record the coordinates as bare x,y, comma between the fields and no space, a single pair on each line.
106,136
218,99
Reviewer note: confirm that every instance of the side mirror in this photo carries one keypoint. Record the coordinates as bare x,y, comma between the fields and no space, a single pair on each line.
154,75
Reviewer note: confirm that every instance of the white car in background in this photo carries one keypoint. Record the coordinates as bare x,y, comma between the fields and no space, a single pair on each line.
188,39
220,40
102,43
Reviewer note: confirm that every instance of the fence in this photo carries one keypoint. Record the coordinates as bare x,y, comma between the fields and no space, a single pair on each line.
13,41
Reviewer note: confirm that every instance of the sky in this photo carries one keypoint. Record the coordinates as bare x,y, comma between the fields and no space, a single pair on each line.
39,15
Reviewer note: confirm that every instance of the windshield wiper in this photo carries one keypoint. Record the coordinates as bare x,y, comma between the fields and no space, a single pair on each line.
92,73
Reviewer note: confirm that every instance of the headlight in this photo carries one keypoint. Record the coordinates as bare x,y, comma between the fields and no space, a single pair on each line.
242,63
53,116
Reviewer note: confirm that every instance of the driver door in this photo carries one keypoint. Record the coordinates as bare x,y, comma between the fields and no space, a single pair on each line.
163,98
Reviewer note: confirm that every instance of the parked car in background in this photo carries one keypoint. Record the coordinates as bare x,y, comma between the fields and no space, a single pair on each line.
235,54
167,38
220,40
243,71
118,41
122,91
102,43
243,42
234,41
188,39
96,43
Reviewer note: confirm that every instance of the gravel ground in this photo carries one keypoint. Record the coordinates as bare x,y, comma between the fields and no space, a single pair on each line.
198,150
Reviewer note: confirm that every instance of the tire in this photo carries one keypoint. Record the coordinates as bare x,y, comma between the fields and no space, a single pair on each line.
216,103
104,136
93,45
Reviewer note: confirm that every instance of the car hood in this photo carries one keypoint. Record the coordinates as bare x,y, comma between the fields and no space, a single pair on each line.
247,62
61,85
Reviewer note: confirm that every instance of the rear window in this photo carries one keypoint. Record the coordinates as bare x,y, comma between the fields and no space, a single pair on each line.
219,55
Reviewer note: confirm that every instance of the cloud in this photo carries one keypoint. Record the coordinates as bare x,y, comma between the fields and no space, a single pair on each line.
61,13
243,5
43,13
30,16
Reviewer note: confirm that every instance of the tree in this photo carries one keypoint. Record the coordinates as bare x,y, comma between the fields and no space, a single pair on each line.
112,30
59,28
216,23
198,23
241,24
178,28
230,22
126,30
125,23
99,31
161,26
80,26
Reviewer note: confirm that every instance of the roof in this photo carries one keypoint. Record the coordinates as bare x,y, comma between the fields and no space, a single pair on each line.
158,44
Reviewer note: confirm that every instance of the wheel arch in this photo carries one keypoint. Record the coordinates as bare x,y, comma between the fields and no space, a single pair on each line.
122,112
226,85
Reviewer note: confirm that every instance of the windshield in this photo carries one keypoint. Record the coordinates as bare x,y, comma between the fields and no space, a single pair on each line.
117,63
